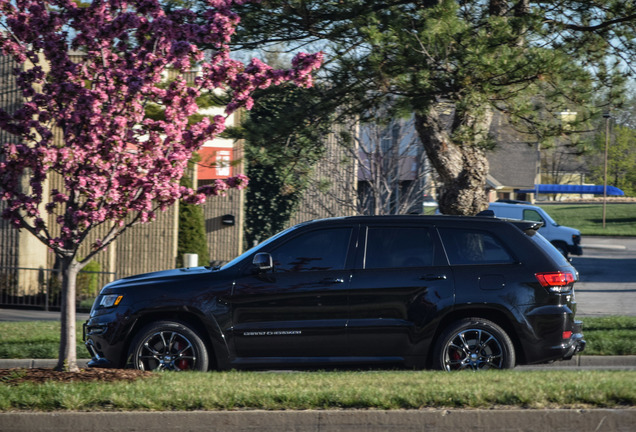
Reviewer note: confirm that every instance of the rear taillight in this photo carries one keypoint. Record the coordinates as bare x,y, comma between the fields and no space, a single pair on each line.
557,282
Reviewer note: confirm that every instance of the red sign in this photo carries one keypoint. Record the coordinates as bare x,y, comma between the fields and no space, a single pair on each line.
215,163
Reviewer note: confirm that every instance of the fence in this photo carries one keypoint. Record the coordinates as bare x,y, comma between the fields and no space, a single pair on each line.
40,288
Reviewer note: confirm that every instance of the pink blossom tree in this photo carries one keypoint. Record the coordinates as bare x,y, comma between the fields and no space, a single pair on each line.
85,74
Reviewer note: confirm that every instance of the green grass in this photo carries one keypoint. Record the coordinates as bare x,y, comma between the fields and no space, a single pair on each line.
620,218
612,335
34,339
386,390
615,335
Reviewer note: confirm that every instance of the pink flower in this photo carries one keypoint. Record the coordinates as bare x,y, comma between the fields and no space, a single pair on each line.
113,162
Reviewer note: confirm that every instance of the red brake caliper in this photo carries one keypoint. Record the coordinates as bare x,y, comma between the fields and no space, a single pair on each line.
182,363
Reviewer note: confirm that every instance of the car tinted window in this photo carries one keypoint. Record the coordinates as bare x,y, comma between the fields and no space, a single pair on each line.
324,249
464,246
399,247
549,248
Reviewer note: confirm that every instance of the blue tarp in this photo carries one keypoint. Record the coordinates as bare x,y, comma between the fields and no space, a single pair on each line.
572,189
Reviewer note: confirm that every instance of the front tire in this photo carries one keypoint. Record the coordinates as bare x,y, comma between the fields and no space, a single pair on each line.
474,344
168,346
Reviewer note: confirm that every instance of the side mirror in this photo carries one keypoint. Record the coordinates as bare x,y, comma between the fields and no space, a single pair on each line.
263,261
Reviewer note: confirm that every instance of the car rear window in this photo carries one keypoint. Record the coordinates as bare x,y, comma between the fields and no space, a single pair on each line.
466,246
554,253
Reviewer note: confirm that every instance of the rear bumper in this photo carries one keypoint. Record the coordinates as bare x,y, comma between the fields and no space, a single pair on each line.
576,343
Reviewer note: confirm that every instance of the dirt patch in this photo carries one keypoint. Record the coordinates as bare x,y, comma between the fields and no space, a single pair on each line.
42,375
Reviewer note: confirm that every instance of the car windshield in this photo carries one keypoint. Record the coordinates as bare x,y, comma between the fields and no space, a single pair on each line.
257,247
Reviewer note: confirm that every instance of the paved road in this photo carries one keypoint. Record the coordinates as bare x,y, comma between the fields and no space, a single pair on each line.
607,271
34,315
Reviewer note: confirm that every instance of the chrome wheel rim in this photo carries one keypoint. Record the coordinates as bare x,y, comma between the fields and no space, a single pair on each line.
473,349
166,351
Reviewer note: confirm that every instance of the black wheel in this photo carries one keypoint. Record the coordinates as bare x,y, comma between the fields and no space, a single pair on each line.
168,346
474,344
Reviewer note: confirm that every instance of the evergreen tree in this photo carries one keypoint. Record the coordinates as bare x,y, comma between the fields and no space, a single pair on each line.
191,235
284,134
527,59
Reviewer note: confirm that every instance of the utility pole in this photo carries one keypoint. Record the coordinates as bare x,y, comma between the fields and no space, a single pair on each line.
606,116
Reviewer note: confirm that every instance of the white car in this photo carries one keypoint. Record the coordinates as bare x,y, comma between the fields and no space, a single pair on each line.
567,240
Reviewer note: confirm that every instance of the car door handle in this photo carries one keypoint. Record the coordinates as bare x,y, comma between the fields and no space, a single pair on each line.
432,277
332,281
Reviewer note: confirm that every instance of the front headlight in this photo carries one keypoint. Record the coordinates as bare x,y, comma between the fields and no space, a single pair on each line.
110,300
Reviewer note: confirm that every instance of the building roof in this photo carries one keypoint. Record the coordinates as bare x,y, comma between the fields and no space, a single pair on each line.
514,162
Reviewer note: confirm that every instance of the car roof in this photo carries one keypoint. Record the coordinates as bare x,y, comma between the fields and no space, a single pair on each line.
529,227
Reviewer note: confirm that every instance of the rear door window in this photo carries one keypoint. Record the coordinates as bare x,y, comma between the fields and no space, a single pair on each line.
465,246
396,247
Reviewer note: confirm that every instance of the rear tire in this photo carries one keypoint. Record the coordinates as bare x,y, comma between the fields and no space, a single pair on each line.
474,344
168,346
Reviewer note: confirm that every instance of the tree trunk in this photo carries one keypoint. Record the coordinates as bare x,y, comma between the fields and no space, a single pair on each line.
462,167
67,360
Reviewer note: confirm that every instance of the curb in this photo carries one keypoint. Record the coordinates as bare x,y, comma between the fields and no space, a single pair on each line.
440,420
603,246
36,363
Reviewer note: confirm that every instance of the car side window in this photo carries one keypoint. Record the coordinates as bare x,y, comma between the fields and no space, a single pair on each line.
532,215
473,247
394,247
324,249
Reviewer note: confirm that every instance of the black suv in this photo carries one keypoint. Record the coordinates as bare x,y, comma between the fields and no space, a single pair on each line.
423,291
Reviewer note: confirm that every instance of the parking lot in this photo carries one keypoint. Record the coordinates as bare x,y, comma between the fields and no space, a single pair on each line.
607,271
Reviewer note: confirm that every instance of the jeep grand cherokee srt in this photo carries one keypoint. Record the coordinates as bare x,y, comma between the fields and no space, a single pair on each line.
444,292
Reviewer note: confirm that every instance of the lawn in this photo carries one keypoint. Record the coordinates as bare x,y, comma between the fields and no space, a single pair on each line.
620,218
385,390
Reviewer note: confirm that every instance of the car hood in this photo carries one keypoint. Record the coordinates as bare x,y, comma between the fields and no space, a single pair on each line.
570,230
160,277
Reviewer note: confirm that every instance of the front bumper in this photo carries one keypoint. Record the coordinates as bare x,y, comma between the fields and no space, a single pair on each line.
105,340
575,249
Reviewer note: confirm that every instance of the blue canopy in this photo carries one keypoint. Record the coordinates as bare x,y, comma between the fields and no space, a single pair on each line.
572,189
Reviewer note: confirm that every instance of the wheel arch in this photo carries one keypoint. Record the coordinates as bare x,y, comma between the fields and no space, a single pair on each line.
187,318
496,316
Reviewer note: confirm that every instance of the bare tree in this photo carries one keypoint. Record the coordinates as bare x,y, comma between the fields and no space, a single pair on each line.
394,172
372,169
